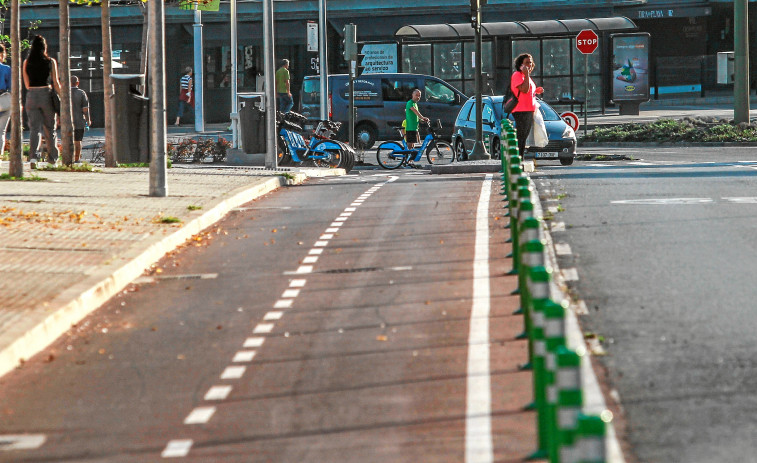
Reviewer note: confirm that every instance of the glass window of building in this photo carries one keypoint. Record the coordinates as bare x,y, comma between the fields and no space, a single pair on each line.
416,58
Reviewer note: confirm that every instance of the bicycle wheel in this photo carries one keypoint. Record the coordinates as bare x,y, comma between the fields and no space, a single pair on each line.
440,153
283,156
387,155
333,155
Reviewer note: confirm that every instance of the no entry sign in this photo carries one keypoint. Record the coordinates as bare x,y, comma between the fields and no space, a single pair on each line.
571,119
587,41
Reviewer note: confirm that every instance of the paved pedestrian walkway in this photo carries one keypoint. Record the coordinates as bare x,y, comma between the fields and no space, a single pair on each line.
73,240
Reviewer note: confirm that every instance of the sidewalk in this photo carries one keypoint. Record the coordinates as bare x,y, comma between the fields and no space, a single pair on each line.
71,242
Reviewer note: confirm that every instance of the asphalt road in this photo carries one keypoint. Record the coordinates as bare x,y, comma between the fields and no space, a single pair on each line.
665,252
325,322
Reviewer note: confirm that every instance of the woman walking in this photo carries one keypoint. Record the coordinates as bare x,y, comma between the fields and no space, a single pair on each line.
525,90
40,73
185,94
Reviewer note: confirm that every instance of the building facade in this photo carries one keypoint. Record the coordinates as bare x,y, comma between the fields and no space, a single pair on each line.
685,37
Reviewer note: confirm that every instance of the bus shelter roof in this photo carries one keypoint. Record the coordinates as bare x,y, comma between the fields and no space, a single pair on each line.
552,27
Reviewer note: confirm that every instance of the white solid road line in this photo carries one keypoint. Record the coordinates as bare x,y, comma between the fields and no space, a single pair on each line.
478,424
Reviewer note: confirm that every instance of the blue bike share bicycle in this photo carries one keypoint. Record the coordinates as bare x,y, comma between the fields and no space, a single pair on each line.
392,154
320,150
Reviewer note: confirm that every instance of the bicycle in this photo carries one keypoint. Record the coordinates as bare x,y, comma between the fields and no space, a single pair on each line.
392,154
320,150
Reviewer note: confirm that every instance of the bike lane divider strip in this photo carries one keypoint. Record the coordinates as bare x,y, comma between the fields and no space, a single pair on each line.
478,401
179,448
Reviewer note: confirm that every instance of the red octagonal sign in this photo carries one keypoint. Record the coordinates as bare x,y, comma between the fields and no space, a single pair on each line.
587,41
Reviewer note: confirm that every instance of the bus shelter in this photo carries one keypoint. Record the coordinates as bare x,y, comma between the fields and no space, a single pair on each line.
447,51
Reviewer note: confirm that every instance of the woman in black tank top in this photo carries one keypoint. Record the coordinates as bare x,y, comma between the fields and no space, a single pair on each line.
39,73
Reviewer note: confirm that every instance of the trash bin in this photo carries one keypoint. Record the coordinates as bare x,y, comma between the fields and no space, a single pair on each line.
131,119
252,122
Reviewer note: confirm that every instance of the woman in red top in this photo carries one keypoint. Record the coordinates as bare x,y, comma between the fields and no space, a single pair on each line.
524,88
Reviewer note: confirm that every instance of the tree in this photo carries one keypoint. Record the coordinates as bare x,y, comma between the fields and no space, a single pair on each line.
64,70
107,57
16,168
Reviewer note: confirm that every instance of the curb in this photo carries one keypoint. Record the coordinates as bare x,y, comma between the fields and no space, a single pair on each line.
456,168
642,144
81,299
594,400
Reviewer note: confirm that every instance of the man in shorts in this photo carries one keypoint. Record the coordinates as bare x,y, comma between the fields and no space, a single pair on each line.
412,116
80,112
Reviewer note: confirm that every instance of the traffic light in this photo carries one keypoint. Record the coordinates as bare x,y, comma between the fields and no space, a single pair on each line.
359,57
350,42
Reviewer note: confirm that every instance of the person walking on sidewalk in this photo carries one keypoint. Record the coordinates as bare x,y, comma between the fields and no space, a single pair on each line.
39,73
5,89
524,88
283,90
80,112
185,94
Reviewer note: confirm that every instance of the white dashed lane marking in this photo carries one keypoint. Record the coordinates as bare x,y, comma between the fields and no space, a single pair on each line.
563,249
254,342
201,415
218,392
177,448
263,328
234,372
244,356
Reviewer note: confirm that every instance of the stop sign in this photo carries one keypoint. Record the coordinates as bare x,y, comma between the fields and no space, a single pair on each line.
587,41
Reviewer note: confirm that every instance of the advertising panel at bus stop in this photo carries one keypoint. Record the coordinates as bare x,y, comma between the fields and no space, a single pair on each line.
630,67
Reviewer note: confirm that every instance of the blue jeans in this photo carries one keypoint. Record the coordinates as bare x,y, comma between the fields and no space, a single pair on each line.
284,102
182,105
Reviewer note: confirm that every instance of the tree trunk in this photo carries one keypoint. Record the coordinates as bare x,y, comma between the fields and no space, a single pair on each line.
107,57
16,168
64,76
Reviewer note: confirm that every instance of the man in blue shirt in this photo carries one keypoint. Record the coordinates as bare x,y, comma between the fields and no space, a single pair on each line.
5,97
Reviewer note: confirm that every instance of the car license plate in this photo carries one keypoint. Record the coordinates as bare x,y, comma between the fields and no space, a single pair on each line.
545,155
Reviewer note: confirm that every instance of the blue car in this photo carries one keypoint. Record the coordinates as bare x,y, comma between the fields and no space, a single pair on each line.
562,138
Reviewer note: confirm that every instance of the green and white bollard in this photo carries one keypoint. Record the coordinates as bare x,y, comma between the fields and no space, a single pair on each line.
569,403
546,312
590,438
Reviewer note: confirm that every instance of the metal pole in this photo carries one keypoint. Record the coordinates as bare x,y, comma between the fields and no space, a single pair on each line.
741,61
323,62
156,47
199,74
353,68
586,91
479,150
270,90
233,77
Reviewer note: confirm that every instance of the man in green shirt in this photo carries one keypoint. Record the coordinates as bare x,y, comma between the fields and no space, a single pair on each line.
412,115
283,92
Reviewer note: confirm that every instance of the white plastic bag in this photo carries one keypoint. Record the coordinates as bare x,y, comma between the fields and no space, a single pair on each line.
539,129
